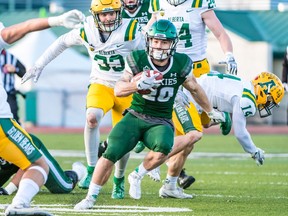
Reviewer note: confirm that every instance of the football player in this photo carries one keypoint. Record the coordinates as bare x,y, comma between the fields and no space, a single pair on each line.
191,17
17,146
108,39
149,116
242,99
58,181
136,9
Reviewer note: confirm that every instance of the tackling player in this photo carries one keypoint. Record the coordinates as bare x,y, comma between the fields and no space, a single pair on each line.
108,39
17,146
242,99
149,116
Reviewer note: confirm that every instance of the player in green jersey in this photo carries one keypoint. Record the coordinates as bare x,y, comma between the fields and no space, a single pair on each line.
149,116
136,9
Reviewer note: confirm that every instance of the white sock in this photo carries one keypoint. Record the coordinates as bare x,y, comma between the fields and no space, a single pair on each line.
141,170
94,190
26,191
91,141
171,181
120,166
11,188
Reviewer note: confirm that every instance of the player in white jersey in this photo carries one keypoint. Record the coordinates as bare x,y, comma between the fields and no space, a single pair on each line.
16,146
108,39
241,99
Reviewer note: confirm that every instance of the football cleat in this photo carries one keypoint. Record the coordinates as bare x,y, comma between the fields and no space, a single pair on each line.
259,157
139,147
155,174
73,176
24,209
118,191
135,185
85,182
166,192
184,181
86,203
3,192
227,125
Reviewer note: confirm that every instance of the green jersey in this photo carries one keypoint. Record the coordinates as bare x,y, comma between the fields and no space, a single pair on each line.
159,103
141,14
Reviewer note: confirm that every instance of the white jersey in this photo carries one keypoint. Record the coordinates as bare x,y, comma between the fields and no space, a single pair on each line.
228,93
5,111
107,57
189,23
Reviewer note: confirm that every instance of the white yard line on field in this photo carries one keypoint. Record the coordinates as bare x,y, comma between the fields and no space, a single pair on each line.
74,153
105,209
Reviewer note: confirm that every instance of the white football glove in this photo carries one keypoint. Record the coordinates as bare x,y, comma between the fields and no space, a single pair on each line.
285,87
182,99
70,19
146,82
33,72
216,116
258,156
230,63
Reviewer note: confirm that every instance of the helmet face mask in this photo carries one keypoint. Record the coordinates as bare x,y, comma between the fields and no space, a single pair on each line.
165,31
132,6
176,2
111,7
269,92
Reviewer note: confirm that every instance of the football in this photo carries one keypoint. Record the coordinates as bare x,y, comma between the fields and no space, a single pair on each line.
149,73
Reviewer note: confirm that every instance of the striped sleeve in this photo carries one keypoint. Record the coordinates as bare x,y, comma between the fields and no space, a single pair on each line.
154,6
131,30
248,103
83,34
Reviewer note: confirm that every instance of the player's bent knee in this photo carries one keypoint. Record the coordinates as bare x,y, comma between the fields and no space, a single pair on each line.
41,170
94,116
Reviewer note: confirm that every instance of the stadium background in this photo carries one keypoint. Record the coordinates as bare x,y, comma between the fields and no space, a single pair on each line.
260,25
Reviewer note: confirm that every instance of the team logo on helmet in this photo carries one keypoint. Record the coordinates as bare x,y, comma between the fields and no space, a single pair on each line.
269,92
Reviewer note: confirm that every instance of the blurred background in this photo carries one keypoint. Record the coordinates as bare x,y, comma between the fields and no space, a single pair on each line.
258,30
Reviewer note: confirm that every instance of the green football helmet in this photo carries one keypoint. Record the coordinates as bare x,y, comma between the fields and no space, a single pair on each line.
162,30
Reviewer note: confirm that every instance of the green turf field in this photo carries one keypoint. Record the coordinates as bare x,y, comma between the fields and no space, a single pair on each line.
226,184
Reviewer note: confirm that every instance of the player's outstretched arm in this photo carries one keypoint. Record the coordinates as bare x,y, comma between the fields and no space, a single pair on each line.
71,19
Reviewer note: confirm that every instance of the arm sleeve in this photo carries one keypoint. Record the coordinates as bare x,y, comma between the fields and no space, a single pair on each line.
240,130
62,43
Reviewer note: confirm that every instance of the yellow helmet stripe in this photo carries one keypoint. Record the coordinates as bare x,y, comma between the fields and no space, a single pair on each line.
248,94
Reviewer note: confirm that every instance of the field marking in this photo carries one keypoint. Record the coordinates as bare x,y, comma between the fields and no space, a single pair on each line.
104,209
77,153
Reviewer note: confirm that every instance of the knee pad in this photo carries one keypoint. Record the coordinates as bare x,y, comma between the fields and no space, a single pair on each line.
41,170
94,114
